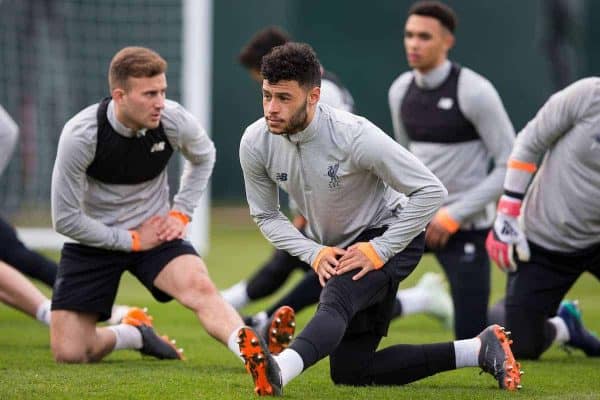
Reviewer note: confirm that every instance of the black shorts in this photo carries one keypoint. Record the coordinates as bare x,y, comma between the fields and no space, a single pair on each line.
88,277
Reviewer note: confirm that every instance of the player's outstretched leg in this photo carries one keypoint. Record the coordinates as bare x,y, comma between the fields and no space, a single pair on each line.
496,358
579,336
260,363
152,344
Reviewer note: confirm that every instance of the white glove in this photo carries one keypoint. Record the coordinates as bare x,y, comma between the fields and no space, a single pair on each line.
506,236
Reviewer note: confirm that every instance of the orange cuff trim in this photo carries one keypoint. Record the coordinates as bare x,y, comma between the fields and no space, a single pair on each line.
180,216
444,219
322,253
522,165
136,244
368,250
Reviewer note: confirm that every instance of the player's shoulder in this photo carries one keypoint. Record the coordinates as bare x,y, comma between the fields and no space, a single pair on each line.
399,85
472,80
177,118
581,96
347,127
584,86
8,126
338,117
255,133
332,94
475,91
83,125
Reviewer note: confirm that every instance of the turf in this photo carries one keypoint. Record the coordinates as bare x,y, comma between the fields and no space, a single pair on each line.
27,370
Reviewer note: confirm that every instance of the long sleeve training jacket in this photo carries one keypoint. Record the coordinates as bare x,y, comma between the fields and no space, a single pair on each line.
100,214
345,175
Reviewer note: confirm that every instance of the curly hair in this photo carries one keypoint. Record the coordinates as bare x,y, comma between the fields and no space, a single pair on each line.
260,45
292,62
437,10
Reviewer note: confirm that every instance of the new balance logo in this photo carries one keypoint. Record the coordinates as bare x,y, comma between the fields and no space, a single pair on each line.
445,103
281,176
160,146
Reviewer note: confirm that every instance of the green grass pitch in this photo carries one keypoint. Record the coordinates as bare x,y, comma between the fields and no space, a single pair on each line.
27,370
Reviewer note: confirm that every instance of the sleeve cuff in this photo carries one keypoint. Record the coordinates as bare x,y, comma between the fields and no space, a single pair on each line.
368,250
180,216
322,253
135,241
443,218
522,165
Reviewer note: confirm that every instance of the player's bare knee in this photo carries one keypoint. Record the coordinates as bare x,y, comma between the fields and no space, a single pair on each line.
69,355
197,288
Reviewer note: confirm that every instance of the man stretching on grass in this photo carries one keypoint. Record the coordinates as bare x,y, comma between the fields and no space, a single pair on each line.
547,233
16,260
110,194
346,176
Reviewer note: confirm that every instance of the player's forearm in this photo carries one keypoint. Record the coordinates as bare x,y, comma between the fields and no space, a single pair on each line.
422,206
476,199
194,180
76,225
277,228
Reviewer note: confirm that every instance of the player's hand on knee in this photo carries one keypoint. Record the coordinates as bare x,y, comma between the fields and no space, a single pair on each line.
148,233
326,262
173,226
360,255
506,239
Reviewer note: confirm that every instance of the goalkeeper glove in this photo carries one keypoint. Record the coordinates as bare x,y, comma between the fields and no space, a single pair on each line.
506,236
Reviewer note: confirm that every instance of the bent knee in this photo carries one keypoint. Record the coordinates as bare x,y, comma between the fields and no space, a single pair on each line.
196,289
347,374
64,354
347,378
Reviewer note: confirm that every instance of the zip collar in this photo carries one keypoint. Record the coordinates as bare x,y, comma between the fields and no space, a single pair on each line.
433,78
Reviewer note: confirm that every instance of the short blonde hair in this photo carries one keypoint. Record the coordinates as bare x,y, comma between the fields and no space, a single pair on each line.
137,62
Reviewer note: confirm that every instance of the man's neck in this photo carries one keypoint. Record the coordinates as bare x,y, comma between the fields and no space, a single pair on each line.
434,76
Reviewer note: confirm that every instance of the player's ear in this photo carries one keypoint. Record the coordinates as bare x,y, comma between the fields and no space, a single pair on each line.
314,95
118,94
448,39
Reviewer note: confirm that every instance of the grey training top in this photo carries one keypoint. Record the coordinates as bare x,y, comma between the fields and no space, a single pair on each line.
336,96
100,214
463,167
9,133
340,171
562,205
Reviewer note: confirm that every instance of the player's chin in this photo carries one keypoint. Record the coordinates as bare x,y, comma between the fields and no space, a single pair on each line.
276,129
153,123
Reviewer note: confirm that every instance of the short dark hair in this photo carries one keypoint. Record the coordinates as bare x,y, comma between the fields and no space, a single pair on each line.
260,45
136,62
437,10
292,62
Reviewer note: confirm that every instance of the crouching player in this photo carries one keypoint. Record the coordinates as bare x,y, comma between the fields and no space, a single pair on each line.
548,233
110,194
346,176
